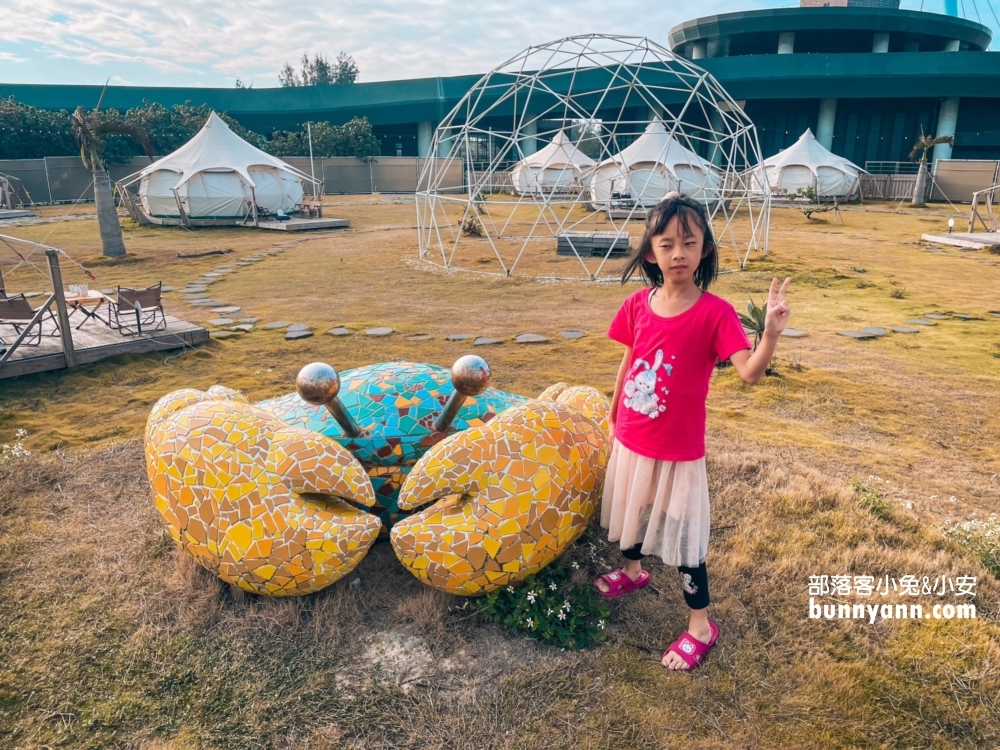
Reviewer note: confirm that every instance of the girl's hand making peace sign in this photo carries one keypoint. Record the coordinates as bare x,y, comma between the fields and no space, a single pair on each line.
778,311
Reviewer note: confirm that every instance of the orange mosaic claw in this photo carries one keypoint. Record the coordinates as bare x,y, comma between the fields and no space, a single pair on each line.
263,505
511,495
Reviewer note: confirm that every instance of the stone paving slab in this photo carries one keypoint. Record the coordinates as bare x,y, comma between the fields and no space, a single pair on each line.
276,325
339,331
875,331
530,338
227,309
458,337
572,334
920,322
221,322
904,329
298,327
244,328
794,333
292,335
419,337
486,341
378,331
856,334
935,316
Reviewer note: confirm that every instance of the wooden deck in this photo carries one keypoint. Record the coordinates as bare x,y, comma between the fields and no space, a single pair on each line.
968,240
93,342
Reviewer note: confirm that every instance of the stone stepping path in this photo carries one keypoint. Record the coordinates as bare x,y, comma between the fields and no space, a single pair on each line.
227,309
572,334
904,329
244,328
794,333
875,331
223,334
249,321
935,316
920,322
221,322
458,337
486,341
276,325
339,331
207,303
530,338
856,334
293,335
298,328
964,316
419,337
994,313
378,331
194,289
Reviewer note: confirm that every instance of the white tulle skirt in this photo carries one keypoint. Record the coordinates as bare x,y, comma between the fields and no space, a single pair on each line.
661,504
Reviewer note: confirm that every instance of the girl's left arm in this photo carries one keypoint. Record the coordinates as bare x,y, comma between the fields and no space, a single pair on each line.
751,366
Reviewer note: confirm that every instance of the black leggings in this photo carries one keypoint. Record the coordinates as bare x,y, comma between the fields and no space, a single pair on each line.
694,581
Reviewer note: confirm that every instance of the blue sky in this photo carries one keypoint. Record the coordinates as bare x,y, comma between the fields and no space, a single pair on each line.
214,42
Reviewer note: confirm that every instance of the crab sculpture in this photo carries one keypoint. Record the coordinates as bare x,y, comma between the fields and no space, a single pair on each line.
476,488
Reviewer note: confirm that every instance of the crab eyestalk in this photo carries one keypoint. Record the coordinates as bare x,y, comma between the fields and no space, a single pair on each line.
318,384
470,376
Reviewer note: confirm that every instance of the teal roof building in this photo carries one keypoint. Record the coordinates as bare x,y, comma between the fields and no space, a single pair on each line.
865,76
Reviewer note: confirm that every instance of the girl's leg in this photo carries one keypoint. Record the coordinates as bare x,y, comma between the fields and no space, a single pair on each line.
633,565
694,583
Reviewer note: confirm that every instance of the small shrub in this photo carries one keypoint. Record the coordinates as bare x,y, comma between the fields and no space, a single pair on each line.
15,452
864,284
898,293
871,499
472,225
982,538
551,606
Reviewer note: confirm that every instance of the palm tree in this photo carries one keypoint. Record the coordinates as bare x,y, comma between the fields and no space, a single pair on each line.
925,144
90,130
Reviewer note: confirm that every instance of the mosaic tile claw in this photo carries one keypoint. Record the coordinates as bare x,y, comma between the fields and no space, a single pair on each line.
263,505
508,496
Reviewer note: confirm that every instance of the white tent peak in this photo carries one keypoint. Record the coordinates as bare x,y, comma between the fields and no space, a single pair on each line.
217,147
552,168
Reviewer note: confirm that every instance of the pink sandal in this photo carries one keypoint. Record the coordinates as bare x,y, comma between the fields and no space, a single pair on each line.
690,649
619,583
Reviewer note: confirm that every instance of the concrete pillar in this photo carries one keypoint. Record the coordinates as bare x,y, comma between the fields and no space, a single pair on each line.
953,45
946,124
529,140
425,134
880,43
824,128
786,42
911,47
699,50
444,146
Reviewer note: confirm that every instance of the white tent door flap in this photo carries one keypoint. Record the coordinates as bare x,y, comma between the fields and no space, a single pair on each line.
156,195
833,181
794,178
216,195
556,177
276,190
648,184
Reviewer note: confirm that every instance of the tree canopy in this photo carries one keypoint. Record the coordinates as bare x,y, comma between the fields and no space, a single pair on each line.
319,71
30,133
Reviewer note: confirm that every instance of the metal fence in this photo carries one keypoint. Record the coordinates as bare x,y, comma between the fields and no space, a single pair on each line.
889,187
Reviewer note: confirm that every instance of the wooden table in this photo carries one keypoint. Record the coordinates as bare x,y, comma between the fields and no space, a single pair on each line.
93,301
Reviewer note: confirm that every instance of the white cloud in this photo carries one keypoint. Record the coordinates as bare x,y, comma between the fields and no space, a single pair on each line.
212,42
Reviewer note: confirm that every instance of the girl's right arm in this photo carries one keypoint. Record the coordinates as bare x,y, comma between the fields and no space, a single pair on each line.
622,369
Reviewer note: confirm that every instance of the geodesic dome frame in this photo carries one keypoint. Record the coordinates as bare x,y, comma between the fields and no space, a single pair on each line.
605,91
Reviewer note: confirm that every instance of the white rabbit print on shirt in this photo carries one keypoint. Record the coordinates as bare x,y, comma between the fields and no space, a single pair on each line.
640,388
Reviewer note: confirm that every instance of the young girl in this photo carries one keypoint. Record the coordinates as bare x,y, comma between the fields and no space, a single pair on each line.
656,491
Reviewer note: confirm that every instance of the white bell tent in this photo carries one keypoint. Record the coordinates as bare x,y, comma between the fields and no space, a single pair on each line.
551,169
652,166
217,177
808,164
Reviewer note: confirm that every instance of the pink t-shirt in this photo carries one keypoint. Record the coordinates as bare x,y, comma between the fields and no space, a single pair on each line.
661,413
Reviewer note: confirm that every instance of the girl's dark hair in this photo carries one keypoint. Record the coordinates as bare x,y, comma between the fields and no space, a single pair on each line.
685,210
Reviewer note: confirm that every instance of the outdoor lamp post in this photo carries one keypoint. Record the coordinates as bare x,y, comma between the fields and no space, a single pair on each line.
951,225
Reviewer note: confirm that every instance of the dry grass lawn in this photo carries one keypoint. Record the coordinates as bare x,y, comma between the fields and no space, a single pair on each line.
109,638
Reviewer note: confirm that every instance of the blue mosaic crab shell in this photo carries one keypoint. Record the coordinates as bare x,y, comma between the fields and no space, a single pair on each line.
394,404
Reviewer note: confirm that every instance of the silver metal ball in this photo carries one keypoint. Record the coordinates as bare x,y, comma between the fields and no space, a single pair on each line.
317,383
470,375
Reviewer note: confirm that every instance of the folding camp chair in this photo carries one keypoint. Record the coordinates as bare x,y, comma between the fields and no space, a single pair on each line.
16,312
136,310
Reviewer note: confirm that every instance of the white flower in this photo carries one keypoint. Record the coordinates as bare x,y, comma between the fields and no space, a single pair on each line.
561,615
510,588
600,624
531,596
530,623
552,587
576,566
565,604
549,612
